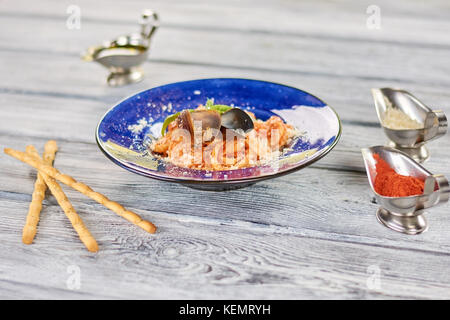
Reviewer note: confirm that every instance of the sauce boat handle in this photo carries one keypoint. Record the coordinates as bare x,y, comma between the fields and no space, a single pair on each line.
149,23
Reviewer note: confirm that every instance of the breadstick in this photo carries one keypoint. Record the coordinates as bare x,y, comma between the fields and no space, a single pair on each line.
81,187
30,228
58,193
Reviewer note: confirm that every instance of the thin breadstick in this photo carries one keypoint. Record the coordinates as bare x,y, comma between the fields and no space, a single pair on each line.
81,187
58,193
34,211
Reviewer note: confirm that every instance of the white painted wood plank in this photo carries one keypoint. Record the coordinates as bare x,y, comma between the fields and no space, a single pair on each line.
351,98
332,57
226,262
402,21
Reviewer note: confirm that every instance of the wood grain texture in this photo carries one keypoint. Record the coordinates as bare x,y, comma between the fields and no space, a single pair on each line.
310,234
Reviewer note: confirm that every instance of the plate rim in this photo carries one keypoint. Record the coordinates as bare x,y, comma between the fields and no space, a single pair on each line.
212,181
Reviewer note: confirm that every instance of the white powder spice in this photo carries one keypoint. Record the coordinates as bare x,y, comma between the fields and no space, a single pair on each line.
398,120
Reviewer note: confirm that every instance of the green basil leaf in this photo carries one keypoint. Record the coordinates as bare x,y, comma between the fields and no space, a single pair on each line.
167,121
221,108
209,103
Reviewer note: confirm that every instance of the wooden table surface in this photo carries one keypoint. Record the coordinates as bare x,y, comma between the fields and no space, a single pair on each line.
310,234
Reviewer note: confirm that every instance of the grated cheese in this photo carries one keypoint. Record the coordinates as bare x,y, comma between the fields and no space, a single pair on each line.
137,128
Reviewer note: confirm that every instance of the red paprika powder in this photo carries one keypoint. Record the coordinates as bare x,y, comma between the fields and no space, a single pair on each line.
389,183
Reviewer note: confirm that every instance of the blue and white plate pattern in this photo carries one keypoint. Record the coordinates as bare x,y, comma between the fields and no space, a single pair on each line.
124,132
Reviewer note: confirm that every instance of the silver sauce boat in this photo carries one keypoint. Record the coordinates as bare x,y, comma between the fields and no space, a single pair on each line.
124,55
410,141
405,214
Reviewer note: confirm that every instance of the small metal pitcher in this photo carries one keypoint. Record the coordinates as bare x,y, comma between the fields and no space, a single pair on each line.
405,214
410,141
124,55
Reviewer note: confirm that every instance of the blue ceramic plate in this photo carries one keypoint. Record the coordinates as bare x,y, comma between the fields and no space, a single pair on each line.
123,132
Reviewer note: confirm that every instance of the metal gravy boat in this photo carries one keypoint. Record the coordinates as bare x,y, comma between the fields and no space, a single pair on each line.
410,141
405,214
126,53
